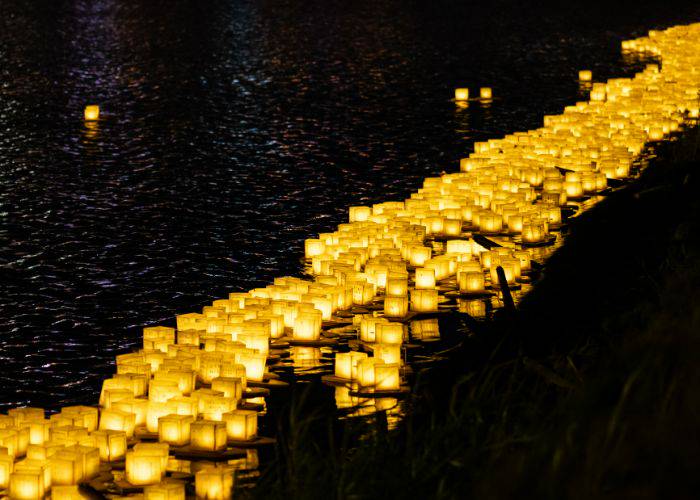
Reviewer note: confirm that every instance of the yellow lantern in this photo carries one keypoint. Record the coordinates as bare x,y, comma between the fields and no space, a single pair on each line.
389,333
424,300
26,413
307,326
395,307
38,430
254,366
346,364
397,286
360,214
115,420
167,490
6,468
241,425
425,329
90,416
143,469
533,232
231,387
174,429
112,444
208,435
485,93
585,75
471,282
92,112
388,353
66,492
425,277
386,376
27,485
159,390
461,94
66,468
136,406
214,483
366,370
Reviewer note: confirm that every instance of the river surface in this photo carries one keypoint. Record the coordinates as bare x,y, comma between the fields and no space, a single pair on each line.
230,132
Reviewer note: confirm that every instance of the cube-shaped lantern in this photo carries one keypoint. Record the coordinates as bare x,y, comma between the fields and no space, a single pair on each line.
214,483
346,364
112,444
241,425
208,435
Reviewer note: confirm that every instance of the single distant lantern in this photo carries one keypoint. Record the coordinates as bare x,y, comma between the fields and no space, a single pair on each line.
485,92
585,75
92,112
461,94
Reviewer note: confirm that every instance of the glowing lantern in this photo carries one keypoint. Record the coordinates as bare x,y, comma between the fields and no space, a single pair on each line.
360,214
213,407
208,435
90,416
585,75
346,364
66,468
395,307
66,492
112,444
458,246
167,490
174,429
38,430
424,300
160,391
533,232
143,469
419,255
156,410
230,387
388,353
386,376
115,420
471,282
573,189
425,329
365,371
214,483
6,467
241,425
389,333
26,413
461,94
92,112
490,223
90,456
425,278
362,293
307,326
485,93
159,450
135,406
254,366
27,485
396,286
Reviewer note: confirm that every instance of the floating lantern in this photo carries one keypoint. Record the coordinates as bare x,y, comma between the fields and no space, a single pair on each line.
143,469
66,468
485,93
388,353
461,94
27,485
38,430
395,307
159,391
360,214
174,429
471,282
490,223
389,333
397,286
475,308
214,483
6,468
254,366
90,416
135,406
307,326
231,387
346,364
585,75
92,112
241,425
424,300
425,329
425,278
26,413
387,376
365,371
208,435
115,420
167,490
112,444
534,232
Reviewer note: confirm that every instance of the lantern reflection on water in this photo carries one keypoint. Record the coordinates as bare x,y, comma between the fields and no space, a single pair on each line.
424,300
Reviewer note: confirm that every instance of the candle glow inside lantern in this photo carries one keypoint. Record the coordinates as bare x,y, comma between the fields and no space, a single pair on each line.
254,366
208,435
471,282
389,333
91,112
365,371
397,286
231,387
424,300
485,93
112,444
214,483
585,75
307,326
388,353
115,420
143,469
461,94
395,307
175,429
90,416
6,467
534,232
425,277
27,485
167,490
241,425
66,468
386,376
346,364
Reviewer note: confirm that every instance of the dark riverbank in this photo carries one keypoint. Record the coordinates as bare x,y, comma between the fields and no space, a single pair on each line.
589,391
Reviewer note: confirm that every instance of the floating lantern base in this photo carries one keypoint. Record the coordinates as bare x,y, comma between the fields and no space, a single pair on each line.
370,392
187,452
253,443
549,240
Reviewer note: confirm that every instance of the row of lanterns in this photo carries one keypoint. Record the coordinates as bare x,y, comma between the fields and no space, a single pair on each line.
187,386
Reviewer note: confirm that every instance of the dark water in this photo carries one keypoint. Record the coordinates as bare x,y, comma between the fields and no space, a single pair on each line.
231,131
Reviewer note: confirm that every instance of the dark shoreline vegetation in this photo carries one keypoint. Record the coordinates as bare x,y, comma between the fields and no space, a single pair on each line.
589,390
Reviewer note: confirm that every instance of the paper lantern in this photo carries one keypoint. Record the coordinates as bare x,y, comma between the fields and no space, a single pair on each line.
92,112
461,94
241,425
533,232
67,435
6,468
38,430
143,469
471,282
585,75
66,492
368,327
66,468
475,308
115,420
425,278
425,329
313,248
9,439
167,490
27,485
397,286
214,484
90,416
213,407
388,353
112,444
359,214
254,366
362,293
208,435
159,391
90,456
490,223
307,326
419,255
231,387
485,93
174,429
389,333
395,307
136,406
424,300
26,413
386,376
346,364
159,450
365,371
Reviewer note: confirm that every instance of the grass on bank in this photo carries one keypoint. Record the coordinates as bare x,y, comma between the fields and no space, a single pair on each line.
589,392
